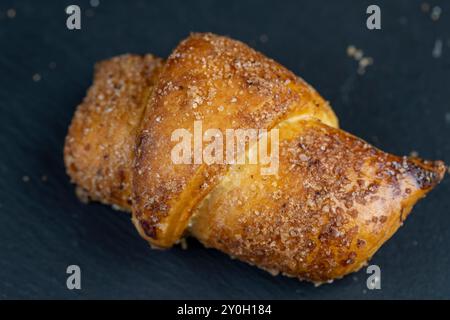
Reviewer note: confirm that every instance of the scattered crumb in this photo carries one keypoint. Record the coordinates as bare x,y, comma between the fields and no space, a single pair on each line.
436,13
415,243
183,244
355,278
354,52
351,50
437,49
44,178
94,3
263,38
36,77
364,291
366,61
414,154
358,55
11,13
447,117
52,65
425,7
82,195
363,64
25,178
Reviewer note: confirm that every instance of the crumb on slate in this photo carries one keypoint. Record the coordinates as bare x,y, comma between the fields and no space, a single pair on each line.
11,13
263,38
358,55
436,13
354,52
425,7
82,195
183,243
363,64
437,49
37,77
414,154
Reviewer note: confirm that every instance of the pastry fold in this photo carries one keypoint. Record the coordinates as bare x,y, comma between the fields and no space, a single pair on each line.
226,85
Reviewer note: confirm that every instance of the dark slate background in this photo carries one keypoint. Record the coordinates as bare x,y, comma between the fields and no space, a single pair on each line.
401,105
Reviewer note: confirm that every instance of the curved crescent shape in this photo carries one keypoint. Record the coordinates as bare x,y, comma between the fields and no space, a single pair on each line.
333,202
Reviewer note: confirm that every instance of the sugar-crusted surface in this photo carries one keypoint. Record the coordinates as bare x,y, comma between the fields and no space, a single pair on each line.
100,144
225,84
335,201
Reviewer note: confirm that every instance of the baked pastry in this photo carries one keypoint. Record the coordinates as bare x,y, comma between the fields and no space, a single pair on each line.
100,143
332,203
226,85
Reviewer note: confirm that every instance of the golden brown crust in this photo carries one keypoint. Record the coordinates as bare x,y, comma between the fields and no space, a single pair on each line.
334,202
100,143
225,84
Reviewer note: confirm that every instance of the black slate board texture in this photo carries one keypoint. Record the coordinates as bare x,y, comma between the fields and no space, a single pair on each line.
401,104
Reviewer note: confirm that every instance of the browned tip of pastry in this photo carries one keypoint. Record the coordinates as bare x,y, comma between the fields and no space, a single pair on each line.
427,174
420,177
